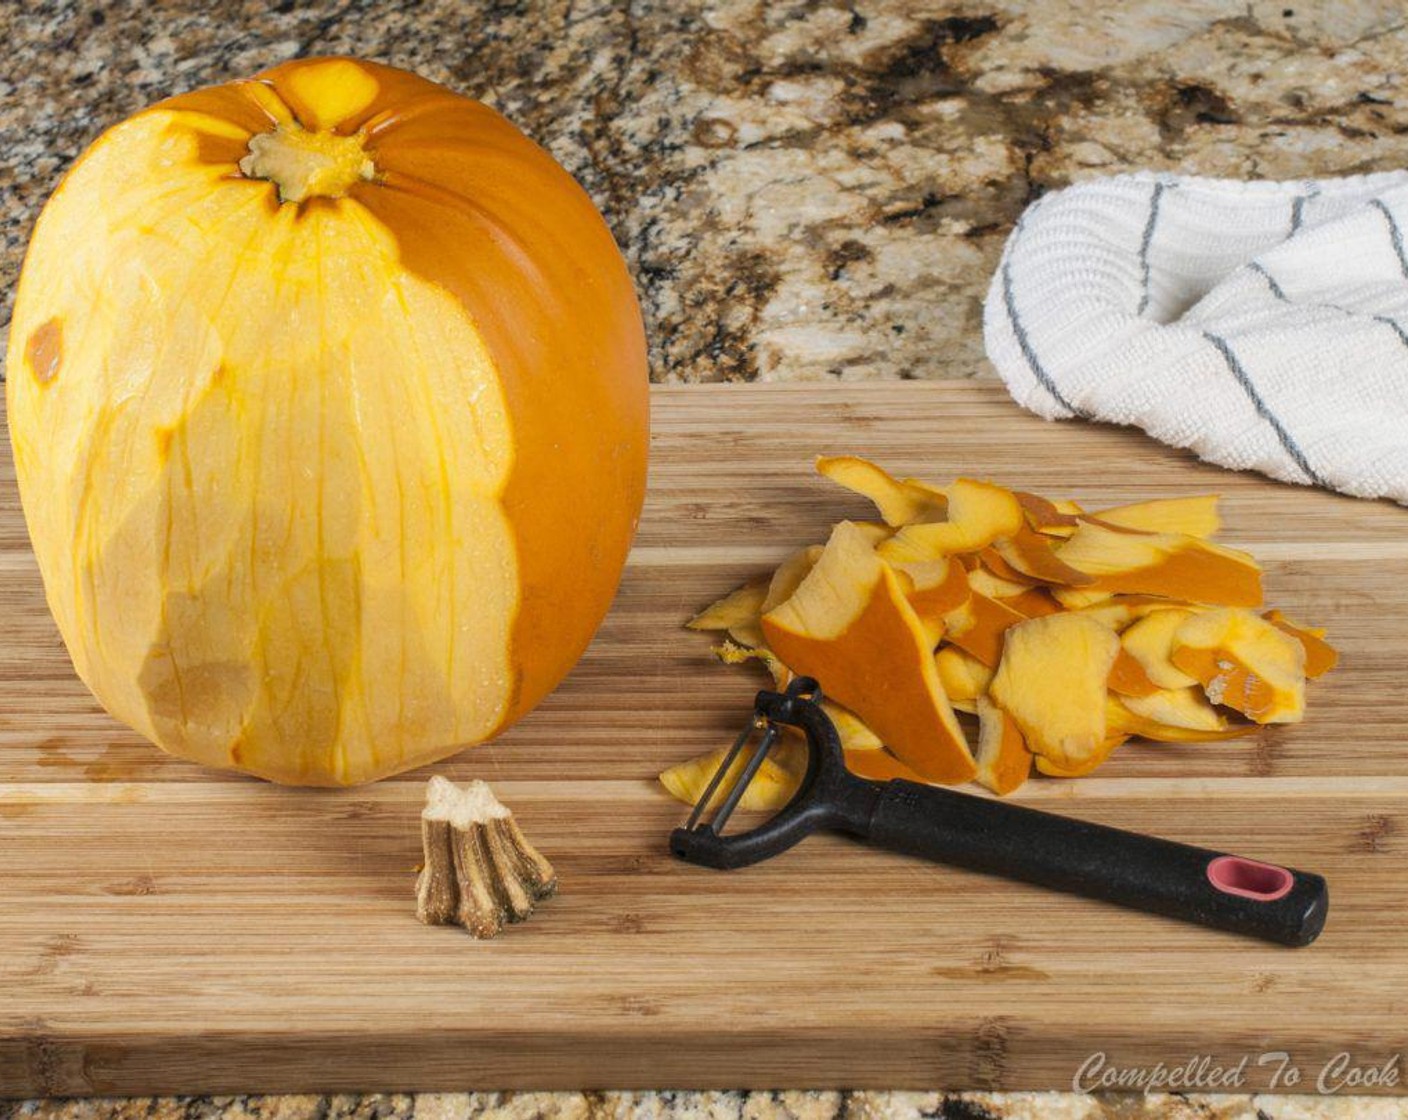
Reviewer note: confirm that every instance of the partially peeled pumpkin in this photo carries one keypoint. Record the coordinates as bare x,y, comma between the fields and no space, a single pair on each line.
328,397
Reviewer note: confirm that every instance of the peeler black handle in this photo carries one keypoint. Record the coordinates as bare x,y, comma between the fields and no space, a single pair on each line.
1181,881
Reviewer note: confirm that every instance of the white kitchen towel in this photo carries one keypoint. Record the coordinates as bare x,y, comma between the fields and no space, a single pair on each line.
1263,325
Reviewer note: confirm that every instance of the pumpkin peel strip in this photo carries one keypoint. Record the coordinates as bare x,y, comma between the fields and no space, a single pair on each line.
1064,633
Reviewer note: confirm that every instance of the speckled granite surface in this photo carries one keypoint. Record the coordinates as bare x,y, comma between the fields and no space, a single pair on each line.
803,190
718,1106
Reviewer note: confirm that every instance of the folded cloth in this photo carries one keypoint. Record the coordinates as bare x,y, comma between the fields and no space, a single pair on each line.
1263,325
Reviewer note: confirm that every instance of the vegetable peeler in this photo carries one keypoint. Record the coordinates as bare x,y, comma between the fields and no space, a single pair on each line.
1226,892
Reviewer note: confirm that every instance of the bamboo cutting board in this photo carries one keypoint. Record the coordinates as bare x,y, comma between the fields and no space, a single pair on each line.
168,928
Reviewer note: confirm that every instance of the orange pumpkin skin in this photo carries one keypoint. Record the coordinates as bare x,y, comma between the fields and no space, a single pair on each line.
459,206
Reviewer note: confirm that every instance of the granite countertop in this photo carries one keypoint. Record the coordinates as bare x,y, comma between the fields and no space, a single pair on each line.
717,1106
804,190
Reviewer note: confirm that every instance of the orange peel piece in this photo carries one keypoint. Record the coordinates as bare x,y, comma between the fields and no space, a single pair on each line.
850,626
1149,641
1004,762
737,613
1177,707
772,786
1033,602
1120,611
1055,519
978,627
1244,662
935,589
1171,564
1088,765
984,582
979,513
879,766
1123,721
991,560
1196,516
1320,656
1052,682
963,676
1128,678
1034,555
898,501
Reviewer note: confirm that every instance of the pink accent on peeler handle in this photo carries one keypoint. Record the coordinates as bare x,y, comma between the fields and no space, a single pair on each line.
1249,878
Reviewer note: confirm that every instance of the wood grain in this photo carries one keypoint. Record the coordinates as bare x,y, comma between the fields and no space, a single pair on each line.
167,928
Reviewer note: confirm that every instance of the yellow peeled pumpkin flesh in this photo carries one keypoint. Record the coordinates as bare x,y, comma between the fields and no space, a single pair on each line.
772,786
1149,641
737,613
1052,682
328,398
962,675
1197,516
1177,707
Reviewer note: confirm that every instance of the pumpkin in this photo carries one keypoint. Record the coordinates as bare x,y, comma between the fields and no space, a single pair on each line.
329,404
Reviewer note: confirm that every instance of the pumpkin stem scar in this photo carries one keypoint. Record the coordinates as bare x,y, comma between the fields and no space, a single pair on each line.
45,351
306,164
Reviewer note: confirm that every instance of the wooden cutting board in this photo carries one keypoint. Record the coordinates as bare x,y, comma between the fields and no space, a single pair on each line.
168,928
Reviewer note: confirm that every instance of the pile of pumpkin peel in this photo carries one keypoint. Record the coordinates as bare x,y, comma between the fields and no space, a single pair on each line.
1063,631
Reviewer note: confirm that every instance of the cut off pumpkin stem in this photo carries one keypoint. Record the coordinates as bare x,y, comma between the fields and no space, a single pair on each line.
479,870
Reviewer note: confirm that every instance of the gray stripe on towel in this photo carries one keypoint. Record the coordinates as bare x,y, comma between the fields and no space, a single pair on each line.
1145,242
1279,292
1276,289
1298,205
1038,371
1287,440
1399,331
1395,234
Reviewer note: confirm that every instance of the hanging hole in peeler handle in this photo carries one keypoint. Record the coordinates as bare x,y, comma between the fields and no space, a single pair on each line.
1249,878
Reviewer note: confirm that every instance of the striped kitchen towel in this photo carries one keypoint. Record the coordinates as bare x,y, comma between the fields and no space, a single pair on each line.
1263,325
